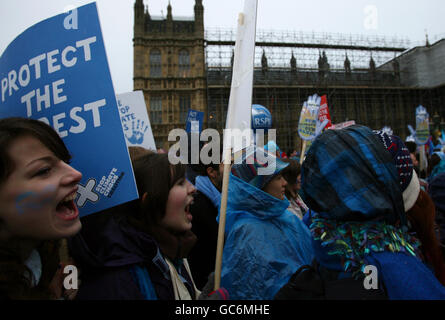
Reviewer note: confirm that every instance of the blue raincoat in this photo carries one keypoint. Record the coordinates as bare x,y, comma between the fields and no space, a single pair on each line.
265,244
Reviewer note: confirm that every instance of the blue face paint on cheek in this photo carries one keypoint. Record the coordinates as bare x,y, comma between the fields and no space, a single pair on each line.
20,203
31,201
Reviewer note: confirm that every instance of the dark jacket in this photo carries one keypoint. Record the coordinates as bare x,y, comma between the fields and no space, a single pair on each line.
105,252
437,193
317,283
203,255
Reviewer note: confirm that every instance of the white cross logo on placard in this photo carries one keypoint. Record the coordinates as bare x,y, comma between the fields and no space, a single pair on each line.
87,193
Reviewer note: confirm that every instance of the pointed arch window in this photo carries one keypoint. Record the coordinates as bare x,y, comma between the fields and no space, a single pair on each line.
155,63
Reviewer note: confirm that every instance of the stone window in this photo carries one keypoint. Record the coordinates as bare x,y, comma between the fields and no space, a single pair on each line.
184,63
155,63
184,107
155,110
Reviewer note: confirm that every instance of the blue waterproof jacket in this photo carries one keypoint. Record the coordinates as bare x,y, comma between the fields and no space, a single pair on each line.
265,244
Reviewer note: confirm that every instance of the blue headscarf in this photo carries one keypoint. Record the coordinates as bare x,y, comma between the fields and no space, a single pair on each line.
349,176
357,217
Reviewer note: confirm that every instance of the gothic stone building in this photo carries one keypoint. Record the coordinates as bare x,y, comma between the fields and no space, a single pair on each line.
170,67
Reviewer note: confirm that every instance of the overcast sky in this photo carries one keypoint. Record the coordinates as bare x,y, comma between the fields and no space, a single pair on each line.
403,18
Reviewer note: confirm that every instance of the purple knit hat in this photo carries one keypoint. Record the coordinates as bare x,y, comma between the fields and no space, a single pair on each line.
409,183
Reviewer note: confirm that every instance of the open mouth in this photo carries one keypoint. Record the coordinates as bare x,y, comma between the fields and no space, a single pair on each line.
188,214
67,209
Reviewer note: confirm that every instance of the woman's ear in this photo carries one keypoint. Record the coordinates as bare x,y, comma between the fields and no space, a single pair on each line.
211,172
144,197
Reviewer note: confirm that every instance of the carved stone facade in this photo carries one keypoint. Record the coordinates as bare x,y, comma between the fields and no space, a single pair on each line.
169,66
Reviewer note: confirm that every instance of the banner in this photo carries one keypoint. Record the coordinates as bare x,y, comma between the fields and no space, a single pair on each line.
57,72
422,126
135,121
194,121
323,114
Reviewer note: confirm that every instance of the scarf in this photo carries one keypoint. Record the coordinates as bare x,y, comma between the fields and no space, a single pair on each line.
349,243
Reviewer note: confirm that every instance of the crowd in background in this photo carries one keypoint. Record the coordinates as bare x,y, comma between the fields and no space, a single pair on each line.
306,231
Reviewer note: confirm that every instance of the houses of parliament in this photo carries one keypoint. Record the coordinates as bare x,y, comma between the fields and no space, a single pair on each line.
377,82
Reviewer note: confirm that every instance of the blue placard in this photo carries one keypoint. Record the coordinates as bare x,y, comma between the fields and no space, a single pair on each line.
261,117
194,118
57,72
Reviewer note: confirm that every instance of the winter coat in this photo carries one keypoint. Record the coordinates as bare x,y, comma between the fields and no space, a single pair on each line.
203,255
113,258
437,193
265,243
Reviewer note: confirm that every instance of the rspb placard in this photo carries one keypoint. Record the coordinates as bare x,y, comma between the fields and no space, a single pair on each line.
57,72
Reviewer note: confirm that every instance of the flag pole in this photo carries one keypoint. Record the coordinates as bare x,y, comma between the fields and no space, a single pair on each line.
239,113
222,220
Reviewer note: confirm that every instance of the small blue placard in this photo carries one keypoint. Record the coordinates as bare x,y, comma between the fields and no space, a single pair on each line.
261,117
194,121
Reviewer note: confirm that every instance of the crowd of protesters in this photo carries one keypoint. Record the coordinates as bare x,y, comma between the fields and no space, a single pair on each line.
309,231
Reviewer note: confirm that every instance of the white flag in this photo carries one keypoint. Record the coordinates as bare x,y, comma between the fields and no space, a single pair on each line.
239,112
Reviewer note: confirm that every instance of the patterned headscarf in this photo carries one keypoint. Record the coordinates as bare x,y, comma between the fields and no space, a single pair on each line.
348,175
351,182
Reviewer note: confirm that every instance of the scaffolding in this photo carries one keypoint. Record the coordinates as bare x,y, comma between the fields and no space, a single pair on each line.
279,47
371,96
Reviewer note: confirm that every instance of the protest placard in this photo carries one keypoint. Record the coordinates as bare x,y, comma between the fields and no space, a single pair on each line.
307,126
310,125
57,72
323,113
135,121
422,126
194,121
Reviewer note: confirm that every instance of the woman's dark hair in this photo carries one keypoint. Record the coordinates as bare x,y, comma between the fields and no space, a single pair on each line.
155,176
290,174
14,275
13,128
434,161
411,146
